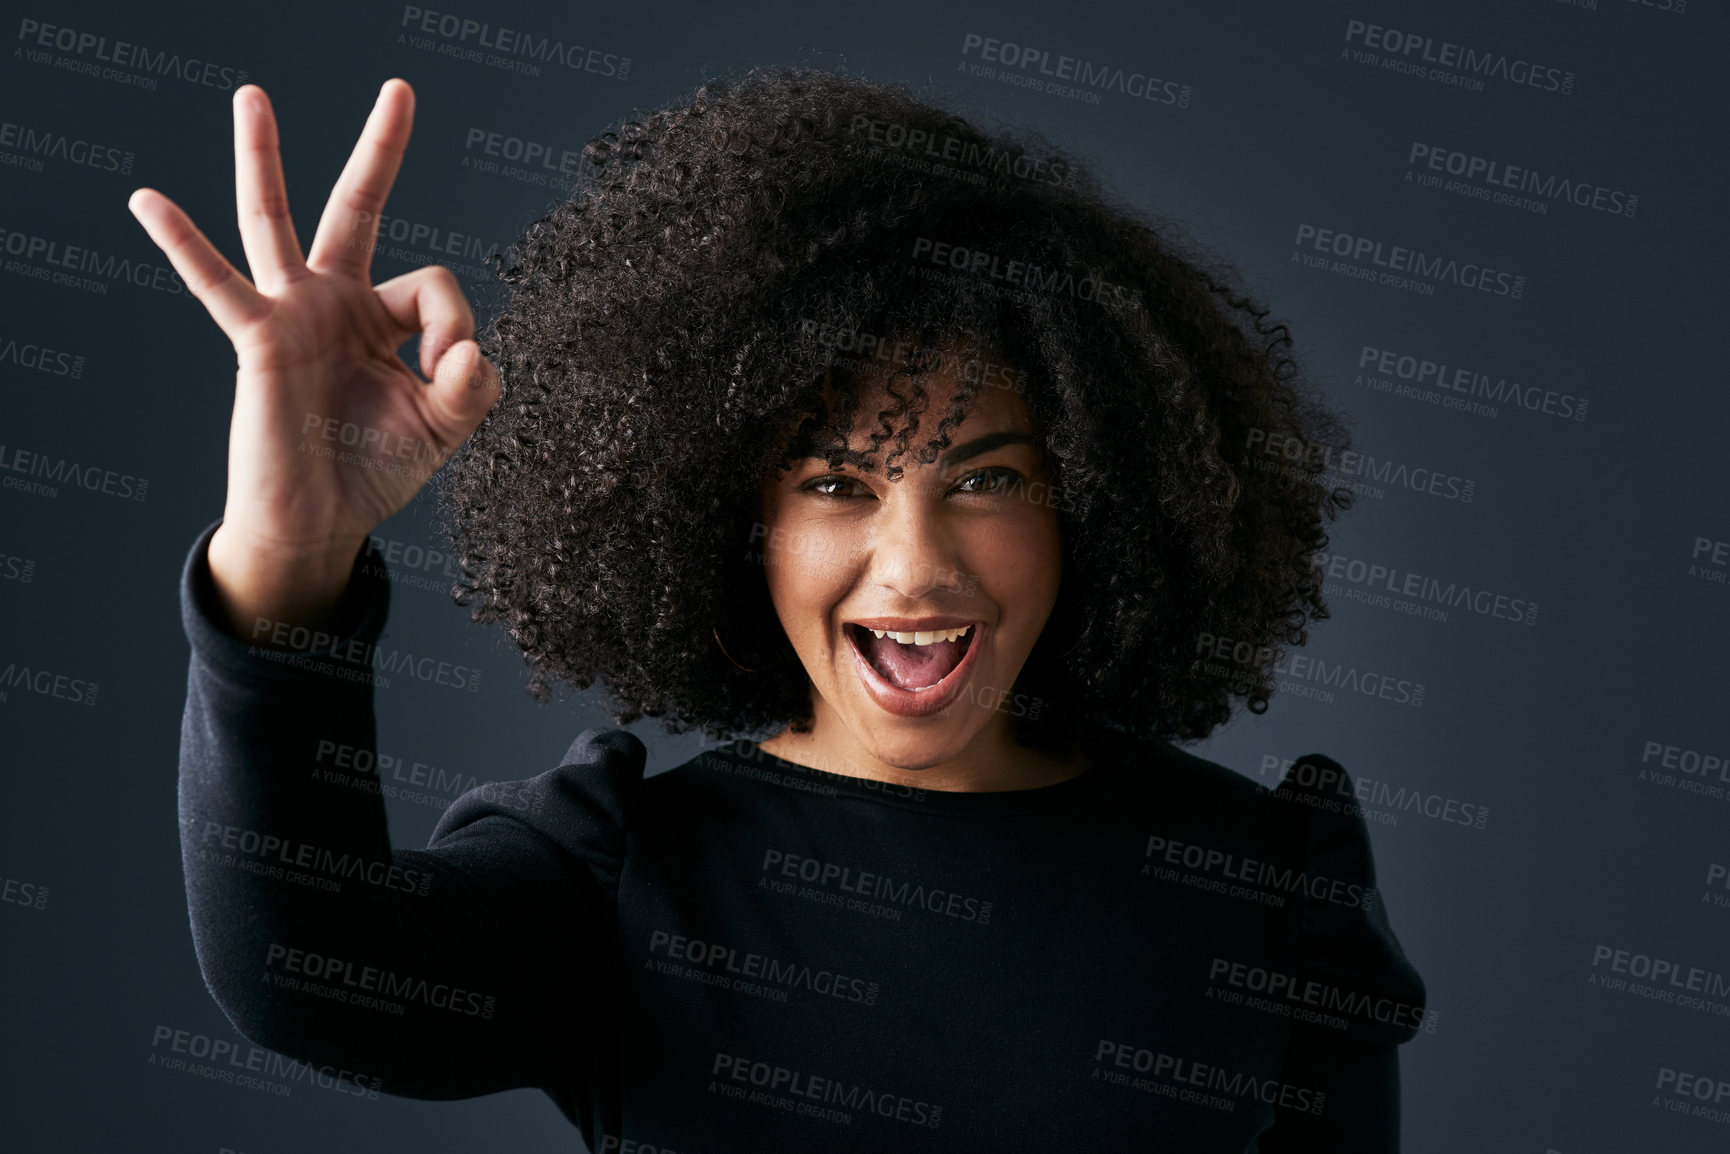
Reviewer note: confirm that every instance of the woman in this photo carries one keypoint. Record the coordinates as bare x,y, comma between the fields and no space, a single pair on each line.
829,416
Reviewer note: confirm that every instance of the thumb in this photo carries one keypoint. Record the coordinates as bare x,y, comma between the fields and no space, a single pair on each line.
464,388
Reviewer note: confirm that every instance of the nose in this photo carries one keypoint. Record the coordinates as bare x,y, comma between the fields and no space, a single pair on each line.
913,548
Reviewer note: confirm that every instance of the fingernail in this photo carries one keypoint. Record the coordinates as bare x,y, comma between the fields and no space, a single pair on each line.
477,373
474,367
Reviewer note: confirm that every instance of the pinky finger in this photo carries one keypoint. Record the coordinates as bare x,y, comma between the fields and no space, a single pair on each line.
229,297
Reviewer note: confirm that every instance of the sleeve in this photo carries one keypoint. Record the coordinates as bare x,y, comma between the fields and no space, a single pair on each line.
1362,997
475,965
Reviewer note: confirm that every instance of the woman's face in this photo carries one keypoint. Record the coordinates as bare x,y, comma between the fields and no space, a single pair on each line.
966,547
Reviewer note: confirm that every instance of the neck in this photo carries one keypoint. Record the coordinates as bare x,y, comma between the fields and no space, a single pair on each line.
991,762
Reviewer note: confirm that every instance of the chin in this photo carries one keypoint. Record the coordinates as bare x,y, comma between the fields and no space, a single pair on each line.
914,749
914,743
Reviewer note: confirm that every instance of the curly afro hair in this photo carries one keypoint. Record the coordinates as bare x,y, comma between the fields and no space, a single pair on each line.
672,332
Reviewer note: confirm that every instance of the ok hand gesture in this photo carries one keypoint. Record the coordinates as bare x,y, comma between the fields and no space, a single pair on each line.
332,433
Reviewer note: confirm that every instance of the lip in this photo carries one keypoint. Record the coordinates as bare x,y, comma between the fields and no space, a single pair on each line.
913,624
915,702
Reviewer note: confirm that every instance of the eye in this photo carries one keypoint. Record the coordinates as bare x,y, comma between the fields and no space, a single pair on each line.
836,485
995,479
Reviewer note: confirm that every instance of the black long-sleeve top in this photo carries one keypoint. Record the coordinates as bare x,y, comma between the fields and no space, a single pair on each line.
745,954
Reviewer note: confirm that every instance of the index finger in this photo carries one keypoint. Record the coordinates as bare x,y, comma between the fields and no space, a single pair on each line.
348,229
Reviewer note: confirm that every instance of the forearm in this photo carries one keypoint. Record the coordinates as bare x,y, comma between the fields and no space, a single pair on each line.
316,938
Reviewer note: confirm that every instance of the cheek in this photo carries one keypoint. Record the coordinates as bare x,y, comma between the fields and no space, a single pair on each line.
1019,564
807,572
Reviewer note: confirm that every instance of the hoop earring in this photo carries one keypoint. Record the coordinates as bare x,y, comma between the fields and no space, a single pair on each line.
713,632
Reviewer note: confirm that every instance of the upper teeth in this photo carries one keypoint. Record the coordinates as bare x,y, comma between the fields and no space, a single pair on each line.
922,637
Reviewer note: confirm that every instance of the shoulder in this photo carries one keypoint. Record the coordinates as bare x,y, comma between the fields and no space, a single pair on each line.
1352,977
1356,970
584,805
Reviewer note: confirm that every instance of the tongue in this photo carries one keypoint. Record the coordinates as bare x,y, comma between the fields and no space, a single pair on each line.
909,666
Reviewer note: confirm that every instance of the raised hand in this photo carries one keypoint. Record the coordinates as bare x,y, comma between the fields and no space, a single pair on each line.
332,433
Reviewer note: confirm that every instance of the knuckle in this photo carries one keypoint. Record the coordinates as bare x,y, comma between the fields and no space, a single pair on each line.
294,274
365,195
272,204
210,275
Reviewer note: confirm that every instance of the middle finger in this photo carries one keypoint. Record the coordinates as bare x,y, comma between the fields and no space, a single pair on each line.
261,198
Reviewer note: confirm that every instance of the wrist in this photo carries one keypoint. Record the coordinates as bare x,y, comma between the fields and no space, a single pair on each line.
263,583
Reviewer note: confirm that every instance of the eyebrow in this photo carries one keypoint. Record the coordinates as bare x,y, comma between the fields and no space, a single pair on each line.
985,444
955,456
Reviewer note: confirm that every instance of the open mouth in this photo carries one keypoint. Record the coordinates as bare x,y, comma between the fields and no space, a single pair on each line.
912,662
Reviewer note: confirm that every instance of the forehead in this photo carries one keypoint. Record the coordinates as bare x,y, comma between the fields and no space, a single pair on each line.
994,403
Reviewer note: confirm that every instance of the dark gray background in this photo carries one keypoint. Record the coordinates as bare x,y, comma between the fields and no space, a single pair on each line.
1543,725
